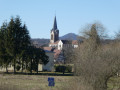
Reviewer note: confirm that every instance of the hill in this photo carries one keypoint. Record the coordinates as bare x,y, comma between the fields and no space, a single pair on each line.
40,42
44,42
69,36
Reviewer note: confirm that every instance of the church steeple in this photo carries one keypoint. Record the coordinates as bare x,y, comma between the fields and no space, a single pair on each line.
54,32
55,24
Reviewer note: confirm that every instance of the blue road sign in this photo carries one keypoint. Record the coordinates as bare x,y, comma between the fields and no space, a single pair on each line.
51,81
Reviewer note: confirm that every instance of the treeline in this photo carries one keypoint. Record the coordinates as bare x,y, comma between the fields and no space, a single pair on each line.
16,49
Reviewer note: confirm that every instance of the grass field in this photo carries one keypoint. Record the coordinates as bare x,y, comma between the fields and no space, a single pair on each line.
39,82
32,82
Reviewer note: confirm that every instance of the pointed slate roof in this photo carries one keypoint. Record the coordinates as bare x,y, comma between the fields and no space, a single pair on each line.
55,24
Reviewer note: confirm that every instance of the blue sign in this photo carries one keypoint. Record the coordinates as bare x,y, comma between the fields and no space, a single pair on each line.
51,81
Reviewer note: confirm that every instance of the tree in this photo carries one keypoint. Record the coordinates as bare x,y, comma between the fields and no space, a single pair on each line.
35,56
16,48
25,42
69,54
117,36
96,62
5,58
17,39
39,57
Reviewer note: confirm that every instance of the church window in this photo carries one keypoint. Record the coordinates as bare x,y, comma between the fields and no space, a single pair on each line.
51,37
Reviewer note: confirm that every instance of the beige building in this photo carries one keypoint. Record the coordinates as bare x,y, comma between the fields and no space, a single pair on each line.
50,65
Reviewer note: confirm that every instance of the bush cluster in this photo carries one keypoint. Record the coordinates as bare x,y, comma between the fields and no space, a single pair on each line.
62,68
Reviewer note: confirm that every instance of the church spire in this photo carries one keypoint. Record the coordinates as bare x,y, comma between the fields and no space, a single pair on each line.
55,24
54,32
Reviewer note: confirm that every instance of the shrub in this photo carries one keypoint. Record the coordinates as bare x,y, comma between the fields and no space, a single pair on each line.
60,68
18,67
63,68
68,68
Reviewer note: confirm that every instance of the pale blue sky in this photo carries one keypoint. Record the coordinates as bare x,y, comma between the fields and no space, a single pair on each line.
71,15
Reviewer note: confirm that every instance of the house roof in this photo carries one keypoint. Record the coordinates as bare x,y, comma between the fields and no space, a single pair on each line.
74,42
47,48
57,52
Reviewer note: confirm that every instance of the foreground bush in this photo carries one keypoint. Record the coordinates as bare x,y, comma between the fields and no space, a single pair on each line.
96,62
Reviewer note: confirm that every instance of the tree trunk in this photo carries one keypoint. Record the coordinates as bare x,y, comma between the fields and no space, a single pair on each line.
31,67
37,68
22,66
6,69
14,66
63,70
25,67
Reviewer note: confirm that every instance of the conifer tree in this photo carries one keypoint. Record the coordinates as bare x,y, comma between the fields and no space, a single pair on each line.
5,58
17,39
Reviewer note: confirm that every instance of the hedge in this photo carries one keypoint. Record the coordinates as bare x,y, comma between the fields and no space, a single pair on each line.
62,68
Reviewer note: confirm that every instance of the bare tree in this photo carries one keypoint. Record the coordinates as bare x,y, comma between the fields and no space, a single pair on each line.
95,62
68,55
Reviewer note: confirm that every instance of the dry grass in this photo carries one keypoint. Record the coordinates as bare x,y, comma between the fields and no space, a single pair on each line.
32,82
38,82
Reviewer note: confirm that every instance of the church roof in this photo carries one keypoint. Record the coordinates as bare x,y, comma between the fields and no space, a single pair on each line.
66,41
55,24
73,42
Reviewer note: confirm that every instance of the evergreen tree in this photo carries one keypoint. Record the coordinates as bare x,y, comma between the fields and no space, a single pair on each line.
5,58
16,48
25,42
17,39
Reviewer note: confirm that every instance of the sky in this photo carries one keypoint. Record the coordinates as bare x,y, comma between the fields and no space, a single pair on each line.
72,15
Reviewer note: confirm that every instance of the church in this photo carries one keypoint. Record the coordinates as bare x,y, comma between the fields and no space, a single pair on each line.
60,44
56,45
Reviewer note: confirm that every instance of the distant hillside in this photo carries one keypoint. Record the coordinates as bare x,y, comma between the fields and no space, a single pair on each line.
69,36
44,42
40,42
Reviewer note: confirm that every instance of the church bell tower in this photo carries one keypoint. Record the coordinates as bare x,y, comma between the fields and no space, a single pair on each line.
54,32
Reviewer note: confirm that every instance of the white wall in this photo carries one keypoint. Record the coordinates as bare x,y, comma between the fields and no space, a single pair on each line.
60,45
75,46
50,65
10,68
